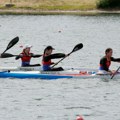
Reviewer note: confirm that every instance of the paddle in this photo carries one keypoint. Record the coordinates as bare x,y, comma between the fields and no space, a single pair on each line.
6,55
76,48
115,72
11,43
53,56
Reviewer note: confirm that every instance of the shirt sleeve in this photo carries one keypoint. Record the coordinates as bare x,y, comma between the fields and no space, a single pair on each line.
115,59
54,56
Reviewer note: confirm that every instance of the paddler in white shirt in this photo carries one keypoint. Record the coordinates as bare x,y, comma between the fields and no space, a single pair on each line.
26,56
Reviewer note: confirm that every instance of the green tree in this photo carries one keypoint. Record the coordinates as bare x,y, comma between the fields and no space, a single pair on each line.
108,4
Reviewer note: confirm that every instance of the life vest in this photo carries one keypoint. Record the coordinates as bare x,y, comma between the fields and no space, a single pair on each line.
25,59
46,64
108,63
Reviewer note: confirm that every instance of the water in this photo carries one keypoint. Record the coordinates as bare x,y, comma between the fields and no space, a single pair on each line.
62,99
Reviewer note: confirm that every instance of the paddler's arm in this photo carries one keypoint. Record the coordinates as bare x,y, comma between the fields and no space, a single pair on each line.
32,55
35,56
54,56
115,59
18,57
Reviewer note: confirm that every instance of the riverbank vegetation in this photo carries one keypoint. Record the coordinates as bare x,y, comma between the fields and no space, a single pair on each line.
58,6
108,4
49,4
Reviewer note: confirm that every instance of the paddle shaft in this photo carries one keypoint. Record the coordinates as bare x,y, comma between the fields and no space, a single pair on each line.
4,51
7,55
115,72
61,59
76,48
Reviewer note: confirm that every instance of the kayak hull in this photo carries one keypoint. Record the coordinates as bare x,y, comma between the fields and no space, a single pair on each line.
31,75
80,74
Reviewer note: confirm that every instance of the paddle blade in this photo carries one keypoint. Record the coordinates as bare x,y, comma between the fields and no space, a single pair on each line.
12,43
77,47
6,55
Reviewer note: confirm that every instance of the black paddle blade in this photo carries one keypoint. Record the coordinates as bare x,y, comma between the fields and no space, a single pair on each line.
6,55
77,47
12,43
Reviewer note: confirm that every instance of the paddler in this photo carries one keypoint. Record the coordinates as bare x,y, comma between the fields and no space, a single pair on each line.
105,62
26,56
46,60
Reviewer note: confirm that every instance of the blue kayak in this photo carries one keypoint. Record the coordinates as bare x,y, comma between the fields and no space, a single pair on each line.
33,75
54,74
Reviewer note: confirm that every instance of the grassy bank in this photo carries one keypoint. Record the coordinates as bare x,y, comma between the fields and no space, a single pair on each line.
81,7
50,4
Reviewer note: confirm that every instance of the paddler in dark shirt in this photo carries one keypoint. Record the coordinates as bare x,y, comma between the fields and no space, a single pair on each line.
46,60
105,62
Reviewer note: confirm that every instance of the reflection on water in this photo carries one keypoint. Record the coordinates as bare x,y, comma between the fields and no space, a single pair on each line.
64,99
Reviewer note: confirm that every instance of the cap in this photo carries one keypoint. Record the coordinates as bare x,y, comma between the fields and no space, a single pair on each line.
79,118
27,46
49,47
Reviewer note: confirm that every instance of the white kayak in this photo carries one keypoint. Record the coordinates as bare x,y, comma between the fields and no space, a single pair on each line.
39,68
69,73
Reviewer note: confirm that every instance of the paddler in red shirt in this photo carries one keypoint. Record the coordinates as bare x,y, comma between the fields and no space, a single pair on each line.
105,62
46,60
26,56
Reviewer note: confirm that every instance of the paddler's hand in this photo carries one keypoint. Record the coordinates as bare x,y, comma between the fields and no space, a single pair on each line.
67,55
52,63
111,72
19,56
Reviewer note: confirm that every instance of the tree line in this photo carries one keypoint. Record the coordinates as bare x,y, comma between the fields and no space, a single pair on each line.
108,4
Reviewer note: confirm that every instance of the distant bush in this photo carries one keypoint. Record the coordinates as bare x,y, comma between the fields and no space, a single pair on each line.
108,4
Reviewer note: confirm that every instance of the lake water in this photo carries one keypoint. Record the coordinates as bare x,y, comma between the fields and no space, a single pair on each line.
62,99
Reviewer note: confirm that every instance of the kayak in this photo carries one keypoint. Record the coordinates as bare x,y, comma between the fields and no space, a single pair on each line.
39,68
54,74
30,74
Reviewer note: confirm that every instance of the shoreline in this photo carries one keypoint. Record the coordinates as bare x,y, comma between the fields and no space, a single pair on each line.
56,12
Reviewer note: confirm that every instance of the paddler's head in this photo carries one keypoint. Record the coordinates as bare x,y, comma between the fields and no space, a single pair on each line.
109,52
27,48
48,50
